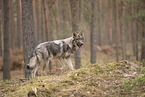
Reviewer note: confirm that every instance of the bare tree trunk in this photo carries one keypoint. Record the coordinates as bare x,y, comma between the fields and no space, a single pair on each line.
80,11
57,19
74,4
19,23
50,14
39,13
1,23
14,25
115,14
46,20
11,25
6,33
35,20
93,33
63,17
100,21
43,29
110,21
122,26
106,18
137,32
28,32
1,37
105,21
134,32
143,42
133,25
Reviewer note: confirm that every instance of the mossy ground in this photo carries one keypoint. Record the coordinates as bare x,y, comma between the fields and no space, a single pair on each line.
112,79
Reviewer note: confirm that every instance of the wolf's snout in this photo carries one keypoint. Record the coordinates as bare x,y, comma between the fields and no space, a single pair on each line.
28,67
80,44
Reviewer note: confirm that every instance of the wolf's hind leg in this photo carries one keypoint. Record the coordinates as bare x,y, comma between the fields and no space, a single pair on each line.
62,63
69,63
45,65
43,69
50,67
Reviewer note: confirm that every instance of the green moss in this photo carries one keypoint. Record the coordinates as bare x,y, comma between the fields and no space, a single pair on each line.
143,70
141,78
94,80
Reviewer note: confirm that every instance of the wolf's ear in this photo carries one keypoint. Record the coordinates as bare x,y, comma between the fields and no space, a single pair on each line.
81,33
74,34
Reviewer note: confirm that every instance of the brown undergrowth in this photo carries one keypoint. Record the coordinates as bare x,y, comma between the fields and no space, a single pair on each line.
16,59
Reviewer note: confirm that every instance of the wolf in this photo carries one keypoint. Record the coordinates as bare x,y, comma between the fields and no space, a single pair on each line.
58,49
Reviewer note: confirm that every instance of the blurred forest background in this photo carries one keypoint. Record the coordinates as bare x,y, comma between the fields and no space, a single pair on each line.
114,29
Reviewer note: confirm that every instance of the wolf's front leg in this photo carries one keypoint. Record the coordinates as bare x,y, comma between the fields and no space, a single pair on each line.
69,63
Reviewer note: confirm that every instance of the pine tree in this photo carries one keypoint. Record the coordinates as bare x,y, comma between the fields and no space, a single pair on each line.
93,34
75,18
6,59
28,32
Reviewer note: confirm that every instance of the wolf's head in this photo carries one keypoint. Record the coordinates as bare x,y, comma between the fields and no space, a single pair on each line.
78,38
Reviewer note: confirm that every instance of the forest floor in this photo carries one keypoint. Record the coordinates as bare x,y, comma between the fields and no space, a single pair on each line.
106,78
123,78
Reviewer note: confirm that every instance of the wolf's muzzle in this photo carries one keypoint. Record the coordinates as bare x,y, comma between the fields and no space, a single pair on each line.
80,44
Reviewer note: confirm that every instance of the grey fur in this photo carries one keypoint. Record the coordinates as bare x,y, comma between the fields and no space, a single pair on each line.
58,49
